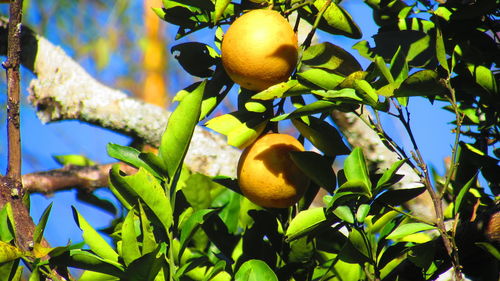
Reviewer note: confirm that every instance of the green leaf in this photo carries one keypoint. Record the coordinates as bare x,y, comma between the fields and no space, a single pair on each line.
330,57
88,275
253,270
200,191
317,167
192,224
305,222
362,212
254,106
463,191
346,94
367,92
398,196
388,176
407,229
322,135
177,136
9,252
490,249
344,213
335,19
309,109
320,78
86,260
148,239
95,241
146,187
220,7
130,246
441,50
129,155
148,266
421,83
40,227
196,58
360,242
484,78
73,159
356,171
7,227
245,134
283,89
386,72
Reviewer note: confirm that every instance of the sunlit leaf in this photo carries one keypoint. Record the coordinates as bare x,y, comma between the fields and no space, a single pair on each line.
177,136
9,252
356,170
304,222
95,241
441,50
255,270
73,159
344,213
40,227
362,212
388,176
320,78
130,245
407,229
220,7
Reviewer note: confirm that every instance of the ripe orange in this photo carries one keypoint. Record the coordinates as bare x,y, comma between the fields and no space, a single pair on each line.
268,176
259,50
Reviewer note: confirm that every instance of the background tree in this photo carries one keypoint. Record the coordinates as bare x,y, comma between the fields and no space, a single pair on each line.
421,49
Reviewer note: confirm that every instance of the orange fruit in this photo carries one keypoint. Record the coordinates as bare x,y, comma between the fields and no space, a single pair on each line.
268,176
259,50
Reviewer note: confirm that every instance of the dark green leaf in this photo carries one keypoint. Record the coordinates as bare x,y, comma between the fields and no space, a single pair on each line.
177,136
192,224
484,78
461,194
317,167
85,260
253,270
309,109
395,197
441,50
330,57
490,249
148,266
360,242
322,135
421,83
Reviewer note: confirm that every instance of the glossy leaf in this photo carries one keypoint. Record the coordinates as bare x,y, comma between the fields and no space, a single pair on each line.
253,270
200,191
490,249
177,136
330,57
304,222
344,213
148,266
322,135
309,109
461,194
360,242
356,171
366,91
148,239
317,167
93,239
128,155
386,72
484,78
388,176
284,89
88,275
320,78
407,229
7,226
85,260
421,83
362,212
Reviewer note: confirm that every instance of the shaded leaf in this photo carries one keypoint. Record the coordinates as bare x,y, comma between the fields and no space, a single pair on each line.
192,224
330,57
317,167
421,83
322,135
356,170
388,176
128,155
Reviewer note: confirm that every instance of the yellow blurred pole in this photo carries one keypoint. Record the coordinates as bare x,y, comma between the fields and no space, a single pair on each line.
154,59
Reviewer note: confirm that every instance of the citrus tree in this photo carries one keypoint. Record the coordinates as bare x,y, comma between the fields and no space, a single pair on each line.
263,225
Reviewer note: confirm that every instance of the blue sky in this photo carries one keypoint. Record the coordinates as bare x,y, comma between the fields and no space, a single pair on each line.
41,142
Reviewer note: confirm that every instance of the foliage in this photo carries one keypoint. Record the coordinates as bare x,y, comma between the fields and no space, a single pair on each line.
180,225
